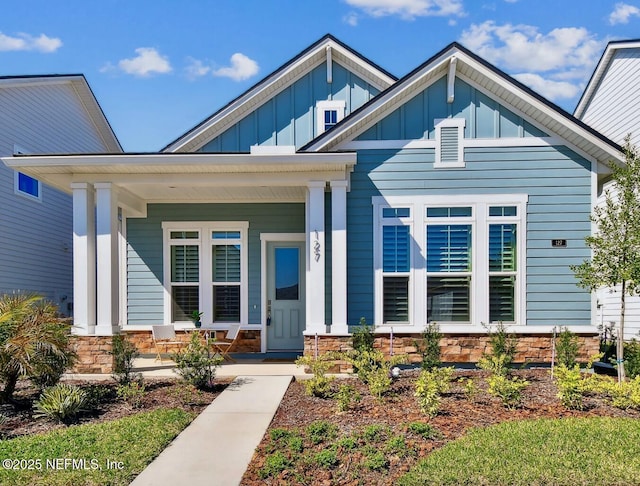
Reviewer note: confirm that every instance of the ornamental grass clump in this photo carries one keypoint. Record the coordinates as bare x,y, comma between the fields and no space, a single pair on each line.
61,402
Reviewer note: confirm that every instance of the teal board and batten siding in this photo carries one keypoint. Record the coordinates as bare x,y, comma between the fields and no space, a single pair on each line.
484,117
289,118
558,183
145,298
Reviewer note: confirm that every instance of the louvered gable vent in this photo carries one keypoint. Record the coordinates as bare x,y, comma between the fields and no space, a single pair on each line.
449,142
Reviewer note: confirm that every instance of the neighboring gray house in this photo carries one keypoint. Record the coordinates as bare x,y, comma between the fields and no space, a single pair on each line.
611,105
331,191
43,115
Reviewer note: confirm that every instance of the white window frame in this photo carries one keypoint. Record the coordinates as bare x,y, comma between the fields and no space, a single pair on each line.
329,105
28,195
379,270
206,242
441,123
480,221
453,221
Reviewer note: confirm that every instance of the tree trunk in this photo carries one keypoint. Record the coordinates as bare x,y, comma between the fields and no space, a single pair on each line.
10,386
620,344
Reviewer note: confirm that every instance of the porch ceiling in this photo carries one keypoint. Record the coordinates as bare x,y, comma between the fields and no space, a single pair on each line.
192,177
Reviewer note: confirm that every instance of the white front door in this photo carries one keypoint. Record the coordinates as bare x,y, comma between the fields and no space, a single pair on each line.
285,295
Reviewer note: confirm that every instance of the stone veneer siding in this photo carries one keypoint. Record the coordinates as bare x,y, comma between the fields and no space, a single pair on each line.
94,354
464,348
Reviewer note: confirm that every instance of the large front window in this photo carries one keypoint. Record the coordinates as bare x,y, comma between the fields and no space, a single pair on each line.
460,263
206,271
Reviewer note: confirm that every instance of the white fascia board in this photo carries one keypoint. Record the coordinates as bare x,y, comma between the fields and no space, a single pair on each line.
179,159
599,72
539,106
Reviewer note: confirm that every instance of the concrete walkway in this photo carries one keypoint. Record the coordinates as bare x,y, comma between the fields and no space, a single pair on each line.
216,448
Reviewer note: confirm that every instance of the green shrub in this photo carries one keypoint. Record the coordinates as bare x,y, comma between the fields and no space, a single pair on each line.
345,396
470,388
375,433
195,364
571,386
374,369
326,459
398,445
362,338
319,385
502,343
35,343
376,461
566,348
509,390
347,443
426,431
321,431
60,402
124,352
295,444
496,365
429,388
625,395
131,393
632,359
274,464
429,346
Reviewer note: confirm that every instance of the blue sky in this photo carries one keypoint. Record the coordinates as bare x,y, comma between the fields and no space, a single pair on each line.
160,67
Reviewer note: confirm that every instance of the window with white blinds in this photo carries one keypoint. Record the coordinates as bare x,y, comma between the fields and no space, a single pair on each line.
206,268
503,266
185,274
226,271
449,272
461,263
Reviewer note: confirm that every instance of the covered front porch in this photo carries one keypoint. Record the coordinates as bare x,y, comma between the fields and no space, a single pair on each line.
158,236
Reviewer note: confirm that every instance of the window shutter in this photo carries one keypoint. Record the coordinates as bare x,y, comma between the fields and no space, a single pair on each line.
226,263
449,248
502,247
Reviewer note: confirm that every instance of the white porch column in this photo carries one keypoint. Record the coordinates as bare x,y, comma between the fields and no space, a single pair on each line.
84,259
339,257
315,284
107,259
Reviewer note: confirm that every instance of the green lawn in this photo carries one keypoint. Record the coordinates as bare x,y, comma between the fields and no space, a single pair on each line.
109,453
571,451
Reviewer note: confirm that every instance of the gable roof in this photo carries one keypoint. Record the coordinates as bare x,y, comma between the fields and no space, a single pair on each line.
275,82
82,89
486,77
600,71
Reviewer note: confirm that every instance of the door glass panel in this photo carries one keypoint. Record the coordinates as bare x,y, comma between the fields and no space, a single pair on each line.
287,273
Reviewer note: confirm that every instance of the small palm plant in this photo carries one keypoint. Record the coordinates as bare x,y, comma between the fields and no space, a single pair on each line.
35,343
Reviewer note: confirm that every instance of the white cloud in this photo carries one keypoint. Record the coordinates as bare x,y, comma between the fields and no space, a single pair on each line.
409,9
351,19
27,42
517,47
553,63
241,68
548,87
148,61
622,13
196,68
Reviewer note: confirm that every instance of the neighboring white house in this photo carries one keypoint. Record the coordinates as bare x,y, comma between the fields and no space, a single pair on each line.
43,115
611,105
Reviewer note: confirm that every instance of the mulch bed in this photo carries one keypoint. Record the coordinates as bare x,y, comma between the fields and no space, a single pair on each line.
457,415
159,393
